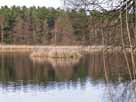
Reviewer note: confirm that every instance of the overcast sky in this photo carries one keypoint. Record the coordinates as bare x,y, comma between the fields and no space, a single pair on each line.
28,3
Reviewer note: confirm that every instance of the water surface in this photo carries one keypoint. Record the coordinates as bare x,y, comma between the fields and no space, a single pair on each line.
25,79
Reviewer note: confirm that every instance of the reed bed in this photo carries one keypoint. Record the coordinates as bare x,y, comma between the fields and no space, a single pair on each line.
57,53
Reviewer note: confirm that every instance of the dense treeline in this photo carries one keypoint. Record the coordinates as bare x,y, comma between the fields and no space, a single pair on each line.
41,25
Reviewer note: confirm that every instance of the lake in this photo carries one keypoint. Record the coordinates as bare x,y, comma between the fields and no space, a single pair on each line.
89,79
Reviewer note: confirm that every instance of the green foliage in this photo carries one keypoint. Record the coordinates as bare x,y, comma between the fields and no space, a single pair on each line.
51,22
41,25
80,24
30,25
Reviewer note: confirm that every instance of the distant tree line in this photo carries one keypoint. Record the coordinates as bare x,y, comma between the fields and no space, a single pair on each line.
46,26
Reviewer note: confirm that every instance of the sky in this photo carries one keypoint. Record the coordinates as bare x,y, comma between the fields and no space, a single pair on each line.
28,3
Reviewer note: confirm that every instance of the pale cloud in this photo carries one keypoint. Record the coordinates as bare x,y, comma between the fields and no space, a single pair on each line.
28,3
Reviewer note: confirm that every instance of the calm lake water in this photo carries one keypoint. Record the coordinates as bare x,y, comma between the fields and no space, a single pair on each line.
25,79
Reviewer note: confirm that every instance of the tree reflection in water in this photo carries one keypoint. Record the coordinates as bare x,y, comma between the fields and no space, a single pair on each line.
18,71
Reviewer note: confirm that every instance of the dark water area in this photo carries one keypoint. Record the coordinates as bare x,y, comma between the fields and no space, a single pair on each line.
25,79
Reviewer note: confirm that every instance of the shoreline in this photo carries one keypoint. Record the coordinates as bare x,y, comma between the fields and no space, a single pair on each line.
36,48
